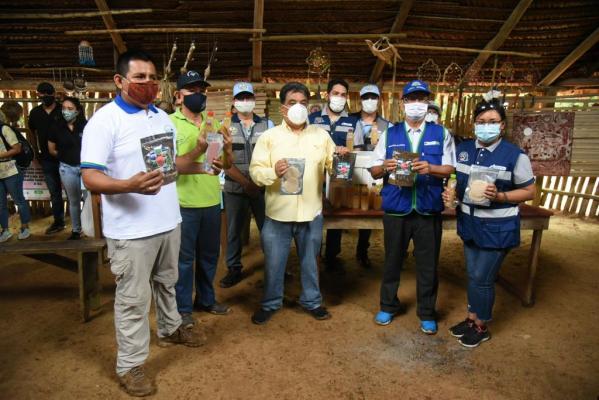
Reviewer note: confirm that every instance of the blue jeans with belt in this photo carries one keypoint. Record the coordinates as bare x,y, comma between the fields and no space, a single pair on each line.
13,185
71,180
482,266
200,241
276,241
52,177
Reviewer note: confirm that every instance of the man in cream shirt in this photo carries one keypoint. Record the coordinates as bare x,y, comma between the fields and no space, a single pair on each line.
292,217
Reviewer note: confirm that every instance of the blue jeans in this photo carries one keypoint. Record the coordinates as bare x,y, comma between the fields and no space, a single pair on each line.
482,266
71,180
276,241
13,185
200,241
52,178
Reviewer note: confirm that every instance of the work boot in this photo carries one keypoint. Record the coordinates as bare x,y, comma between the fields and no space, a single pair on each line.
233,277
136,383
189,337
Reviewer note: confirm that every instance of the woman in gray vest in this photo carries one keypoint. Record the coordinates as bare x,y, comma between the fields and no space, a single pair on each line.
240,193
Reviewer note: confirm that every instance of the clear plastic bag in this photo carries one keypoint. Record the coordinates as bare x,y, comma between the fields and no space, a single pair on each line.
403,175
215,148
478,180
292,183
343,167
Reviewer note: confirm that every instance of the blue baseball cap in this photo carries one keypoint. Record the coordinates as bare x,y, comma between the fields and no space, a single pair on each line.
242,87
416,86
370,89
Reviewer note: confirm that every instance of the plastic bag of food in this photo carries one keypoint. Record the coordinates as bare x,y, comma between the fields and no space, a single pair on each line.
343,167
214,150
480,177
403,175
292,183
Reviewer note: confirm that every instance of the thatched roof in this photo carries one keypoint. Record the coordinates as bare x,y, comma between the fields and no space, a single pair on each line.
551,28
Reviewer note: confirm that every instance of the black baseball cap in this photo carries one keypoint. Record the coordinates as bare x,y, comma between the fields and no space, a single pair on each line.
191,77
45,88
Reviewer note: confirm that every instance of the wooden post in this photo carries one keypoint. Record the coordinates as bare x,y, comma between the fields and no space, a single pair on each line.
89,282
539,190
256,69
97,215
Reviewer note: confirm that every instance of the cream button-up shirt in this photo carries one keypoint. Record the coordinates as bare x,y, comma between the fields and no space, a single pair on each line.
317,148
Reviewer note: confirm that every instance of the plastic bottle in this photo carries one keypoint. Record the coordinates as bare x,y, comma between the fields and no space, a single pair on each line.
227,120
374,135
210,122
349,139
451,186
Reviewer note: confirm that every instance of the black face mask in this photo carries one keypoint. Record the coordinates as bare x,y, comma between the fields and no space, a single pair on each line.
48,100
196,103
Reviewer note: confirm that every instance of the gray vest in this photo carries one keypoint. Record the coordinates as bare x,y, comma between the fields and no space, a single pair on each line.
242,151
381,124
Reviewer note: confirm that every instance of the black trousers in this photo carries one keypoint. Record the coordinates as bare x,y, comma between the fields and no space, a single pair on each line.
333,247
426,232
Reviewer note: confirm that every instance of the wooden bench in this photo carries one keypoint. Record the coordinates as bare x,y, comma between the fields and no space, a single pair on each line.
89,258
532,218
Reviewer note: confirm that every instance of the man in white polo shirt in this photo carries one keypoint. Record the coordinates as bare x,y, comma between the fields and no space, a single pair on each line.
140,214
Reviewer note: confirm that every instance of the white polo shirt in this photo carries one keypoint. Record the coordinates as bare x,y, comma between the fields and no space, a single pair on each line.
120,140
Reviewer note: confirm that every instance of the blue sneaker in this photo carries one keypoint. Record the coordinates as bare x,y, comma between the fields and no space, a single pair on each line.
428,327
383,318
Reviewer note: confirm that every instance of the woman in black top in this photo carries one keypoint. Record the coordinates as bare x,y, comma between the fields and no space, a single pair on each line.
64,143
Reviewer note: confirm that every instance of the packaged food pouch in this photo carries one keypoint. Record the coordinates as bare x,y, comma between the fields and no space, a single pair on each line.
343,167
292,183
403,175
478,180
158,153
214,150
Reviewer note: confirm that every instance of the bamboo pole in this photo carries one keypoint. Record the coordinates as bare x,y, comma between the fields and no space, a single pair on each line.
457,49
89,14
173,29
327,37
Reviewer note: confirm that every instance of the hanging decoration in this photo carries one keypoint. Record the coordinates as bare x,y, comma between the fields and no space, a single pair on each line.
211,60
192,48
452,76
80,85
430,73
383,50
86,54
319,63
167,89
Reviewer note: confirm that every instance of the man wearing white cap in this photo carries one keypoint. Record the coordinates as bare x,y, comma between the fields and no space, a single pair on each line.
369,121
240,193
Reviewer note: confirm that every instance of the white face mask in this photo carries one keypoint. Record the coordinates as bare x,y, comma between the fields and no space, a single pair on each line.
244,106
370,105
297,114
415,111
337,103
431,117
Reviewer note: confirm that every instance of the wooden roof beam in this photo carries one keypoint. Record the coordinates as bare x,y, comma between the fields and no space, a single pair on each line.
400,20
570,59
256,69
499,38
117,39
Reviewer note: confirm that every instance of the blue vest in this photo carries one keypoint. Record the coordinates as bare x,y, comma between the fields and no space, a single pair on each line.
338,130
425,195
496,226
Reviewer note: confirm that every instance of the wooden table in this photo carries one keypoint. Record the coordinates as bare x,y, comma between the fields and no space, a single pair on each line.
89,257
532,218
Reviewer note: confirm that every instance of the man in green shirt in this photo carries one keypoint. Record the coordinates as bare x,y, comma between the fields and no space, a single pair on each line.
199,198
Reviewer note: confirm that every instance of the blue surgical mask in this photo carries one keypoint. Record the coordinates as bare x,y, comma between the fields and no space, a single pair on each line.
487,133
69,115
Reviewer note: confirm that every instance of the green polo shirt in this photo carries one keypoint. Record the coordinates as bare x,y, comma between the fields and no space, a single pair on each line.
196,190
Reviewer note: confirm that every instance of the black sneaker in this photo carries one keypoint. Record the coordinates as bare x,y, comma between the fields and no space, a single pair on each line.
320,313
475,336
460,329
216,308
74,236
364,261
56,226
233,277
262,316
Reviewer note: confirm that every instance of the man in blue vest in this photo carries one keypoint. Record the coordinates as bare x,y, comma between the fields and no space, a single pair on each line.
368,118
413,213
337,122
240,192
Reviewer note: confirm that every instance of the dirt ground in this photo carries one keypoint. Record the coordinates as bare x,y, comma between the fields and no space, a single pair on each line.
549,351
